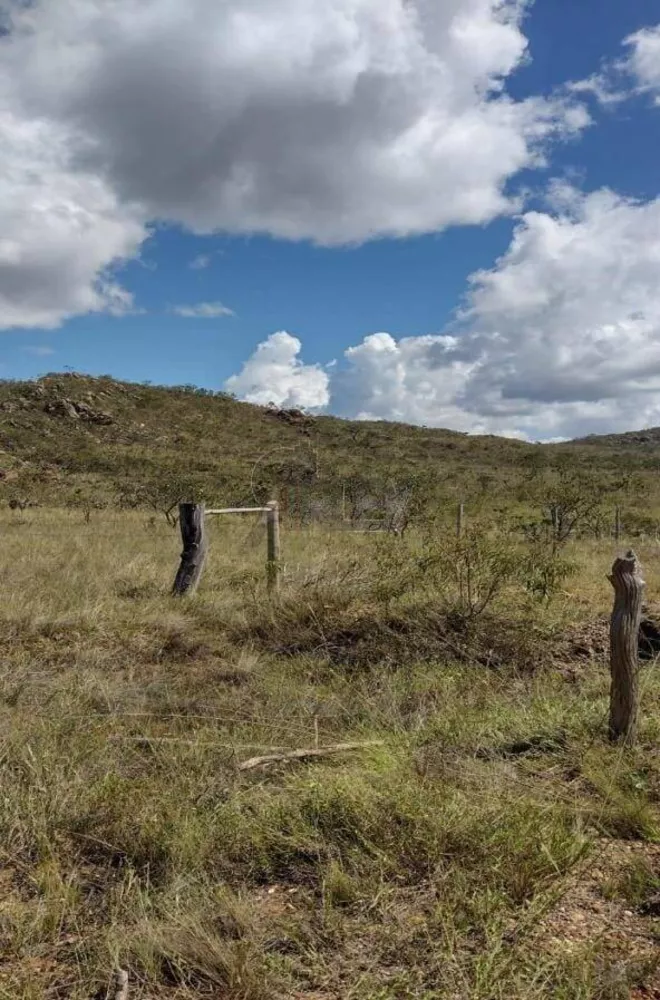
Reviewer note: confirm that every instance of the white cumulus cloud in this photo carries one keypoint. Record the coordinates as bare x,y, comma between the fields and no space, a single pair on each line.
60,230
644,59
566,326
415,380
560,338
275,374
636,72
335,122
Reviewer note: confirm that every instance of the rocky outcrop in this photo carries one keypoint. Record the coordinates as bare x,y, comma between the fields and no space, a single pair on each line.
77,411
294,417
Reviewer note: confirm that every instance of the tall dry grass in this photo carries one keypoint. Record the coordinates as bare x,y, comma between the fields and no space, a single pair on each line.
420,867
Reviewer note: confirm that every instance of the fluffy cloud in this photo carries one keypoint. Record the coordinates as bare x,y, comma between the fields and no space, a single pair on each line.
335,122
568,321
415,379
203,310
638,72
644,59
60,230
275,374
561,338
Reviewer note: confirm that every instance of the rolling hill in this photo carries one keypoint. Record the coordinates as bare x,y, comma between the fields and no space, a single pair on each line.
77,439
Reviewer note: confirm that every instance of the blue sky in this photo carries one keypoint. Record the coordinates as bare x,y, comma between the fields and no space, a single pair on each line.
396,270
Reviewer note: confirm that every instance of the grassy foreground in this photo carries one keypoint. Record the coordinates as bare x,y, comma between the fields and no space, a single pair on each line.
488,843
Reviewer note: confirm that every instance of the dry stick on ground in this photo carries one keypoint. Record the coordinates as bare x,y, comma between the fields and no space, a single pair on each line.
628,586
277,758
195,547
277,754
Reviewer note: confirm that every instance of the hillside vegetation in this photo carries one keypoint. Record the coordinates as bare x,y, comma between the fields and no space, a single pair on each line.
79,430
71,439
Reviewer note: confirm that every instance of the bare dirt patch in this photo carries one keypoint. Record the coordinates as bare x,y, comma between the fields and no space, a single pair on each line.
597,910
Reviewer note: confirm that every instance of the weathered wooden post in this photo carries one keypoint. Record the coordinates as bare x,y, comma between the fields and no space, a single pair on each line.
628,586
460,519
617,524
273,540
120,985
195,547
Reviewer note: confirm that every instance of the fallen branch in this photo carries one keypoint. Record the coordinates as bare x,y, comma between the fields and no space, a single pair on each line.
284,758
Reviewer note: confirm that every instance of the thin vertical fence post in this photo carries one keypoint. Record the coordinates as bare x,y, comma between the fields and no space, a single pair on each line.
554,517
617,524
195,548
273,547
460,520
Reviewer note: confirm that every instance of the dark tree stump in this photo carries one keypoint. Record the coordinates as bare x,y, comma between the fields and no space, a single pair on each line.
195,547
628,586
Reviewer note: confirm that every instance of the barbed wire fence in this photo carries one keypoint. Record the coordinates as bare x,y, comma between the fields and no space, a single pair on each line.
344,506
315,486
308,496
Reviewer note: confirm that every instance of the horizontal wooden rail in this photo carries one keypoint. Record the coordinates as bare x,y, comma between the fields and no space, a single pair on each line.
192,518
239,510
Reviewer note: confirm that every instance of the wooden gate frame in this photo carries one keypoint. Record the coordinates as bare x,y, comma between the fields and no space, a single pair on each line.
192,519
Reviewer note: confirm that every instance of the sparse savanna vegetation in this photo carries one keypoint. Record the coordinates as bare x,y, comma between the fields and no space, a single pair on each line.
483,841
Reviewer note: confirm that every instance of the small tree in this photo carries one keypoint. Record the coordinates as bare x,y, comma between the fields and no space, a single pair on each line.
568,498
473,569
407,501
163,495
86,500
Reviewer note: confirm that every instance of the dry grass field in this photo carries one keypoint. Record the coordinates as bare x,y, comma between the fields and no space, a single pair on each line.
485,843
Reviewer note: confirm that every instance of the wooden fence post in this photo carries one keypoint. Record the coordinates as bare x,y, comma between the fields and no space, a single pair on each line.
273,539
555,521
120,985
195,547
628,586
460,518
617,524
